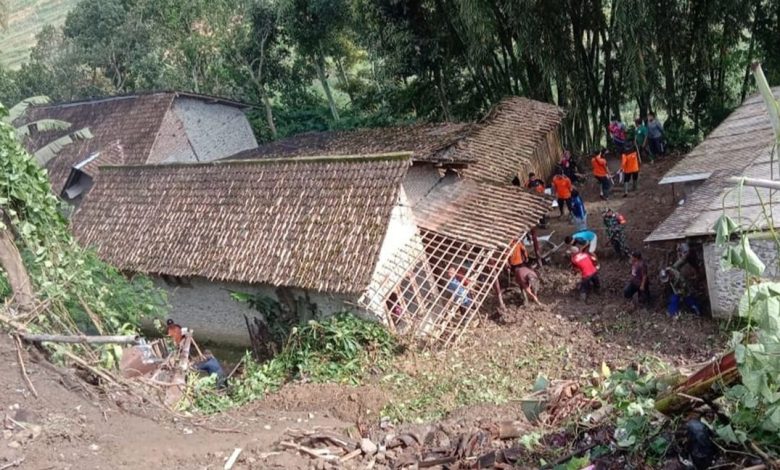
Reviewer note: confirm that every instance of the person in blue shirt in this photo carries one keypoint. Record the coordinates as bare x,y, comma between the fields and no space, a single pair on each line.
210,365
457,287
585,239
578,212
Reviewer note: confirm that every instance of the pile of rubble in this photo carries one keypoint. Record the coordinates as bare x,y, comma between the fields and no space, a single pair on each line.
492,444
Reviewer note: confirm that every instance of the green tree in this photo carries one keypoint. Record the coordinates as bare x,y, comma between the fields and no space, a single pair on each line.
315,26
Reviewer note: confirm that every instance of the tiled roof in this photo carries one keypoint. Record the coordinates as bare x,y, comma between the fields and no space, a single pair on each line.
312,223
740,146
132,120
480,213
742,137
507,140
425,141
112,154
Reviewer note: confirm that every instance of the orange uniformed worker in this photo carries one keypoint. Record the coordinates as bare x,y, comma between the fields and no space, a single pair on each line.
601,172
629,163
174,331
562,187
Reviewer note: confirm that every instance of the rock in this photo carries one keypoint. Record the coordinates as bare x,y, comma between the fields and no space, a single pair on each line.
267,427
94,447
367,446
14,445
7,433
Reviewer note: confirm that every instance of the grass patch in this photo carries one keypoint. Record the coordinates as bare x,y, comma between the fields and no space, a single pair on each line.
343,349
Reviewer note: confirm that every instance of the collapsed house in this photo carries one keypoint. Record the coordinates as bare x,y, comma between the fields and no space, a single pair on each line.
316,235
138,129
742,145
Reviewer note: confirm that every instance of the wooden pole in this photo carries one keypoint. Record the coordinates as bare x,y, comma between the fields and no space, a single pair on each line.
76,339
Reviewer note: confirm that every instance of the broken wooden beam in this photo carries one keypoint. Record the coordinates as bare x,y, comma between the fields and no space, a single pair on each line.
722,371
80,339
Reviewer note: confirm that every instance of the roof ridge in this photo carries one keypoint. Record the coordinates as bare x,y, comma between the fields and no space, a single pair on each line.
392,156
174,94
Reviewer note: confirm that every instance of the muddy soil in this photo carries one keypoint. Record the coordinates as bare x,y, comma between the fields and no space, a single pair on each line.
564,338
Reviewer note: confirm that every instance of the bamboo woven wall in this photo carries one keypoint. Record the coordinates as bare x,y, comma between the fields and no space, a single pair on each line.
309,223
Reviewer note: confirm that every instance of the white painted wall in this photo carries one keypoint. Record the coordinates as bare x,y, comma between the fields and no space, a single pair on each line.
214,130
402,244
726,286
419,181
209,310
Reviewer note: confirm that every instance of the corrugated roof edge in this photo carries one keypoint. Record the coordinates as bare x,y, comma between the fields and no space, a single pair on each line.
394,156
174,93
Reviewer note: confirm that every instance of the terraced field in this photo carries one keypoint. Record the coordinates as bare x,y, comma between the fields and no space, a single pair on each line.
26,18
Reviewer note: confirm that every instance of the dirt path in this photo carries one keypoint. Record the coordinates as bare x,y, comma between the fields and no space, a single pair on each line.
74,432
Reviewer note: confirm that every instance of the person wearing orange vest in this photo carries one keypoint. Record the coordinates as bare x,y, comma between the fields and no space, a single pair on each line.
525,277
629,163
562,187
601,172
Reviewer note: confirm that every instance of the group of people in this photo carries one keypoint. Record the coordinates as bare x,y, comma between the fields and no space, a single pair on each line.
648,136
583,242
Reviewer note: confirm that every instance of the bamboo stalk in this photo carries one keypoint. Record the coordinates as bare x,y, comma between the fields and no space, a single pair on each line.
80,339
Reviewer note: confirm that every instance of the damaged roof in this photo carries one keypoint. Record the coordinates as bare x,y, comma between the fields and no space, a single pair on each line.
313,223
740,146
505,139
479,212
132,120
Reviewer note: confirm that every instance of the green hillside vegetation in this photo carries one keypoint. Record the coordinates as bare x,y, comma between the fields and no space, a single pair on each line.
334,64
25,19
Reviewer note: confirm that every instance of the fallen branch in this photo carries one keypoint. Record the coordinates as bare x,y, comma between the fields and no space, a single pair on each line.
22,367
311,452
80,339
90,368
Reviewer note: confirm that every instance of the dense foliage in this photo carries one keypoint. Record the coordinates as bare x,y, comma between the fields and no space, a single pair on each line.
311,64
80,292
342,348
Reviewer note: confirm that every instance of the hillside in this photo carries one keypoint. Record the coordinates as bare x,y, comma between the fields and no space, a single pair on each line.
26,18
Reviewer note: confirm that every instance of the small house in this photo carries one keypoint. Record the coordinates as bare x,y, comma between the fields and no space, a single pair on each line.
742,145
316,235
139,129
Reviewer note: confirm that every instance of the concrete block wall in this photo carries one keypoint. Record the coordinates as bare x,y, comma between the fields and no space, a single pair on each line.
208,308
214,130
726,286
171,144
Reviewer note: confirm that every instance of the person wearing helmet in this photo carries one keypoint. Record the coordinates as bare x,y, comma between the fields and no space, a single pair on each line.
681,293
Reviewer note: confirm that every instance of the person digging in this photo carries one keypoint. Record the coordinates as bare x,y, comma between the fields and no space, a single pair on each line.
587,265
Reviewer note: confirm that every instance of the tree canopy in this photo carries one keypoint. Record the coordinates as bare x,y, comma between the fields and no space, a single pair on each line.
320,64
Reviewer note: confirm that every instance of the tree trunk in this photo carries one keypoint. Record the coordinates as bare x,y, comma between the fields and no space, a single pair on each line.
751,47
269,112
11,261
319,63
343,77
